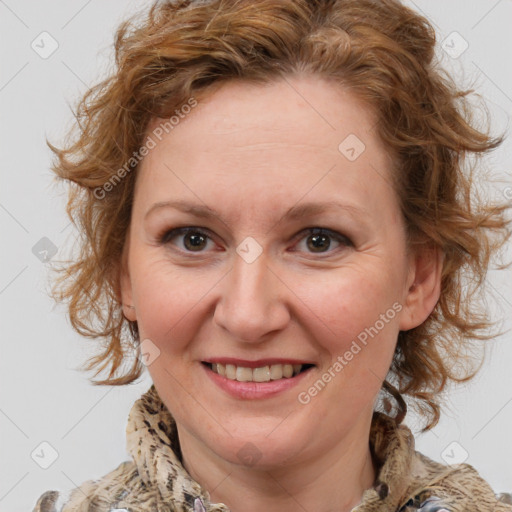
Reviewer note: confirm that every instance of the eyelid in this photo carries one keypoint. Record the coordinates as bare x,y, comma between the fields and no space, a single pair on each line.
316,230
164,238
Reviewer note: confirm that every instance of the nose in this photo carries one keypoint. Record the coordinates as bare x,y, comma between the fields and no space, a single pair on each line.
253,301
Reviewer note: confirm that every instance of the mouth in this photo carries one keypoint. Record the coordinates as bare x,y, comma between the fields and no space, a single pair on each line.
263,373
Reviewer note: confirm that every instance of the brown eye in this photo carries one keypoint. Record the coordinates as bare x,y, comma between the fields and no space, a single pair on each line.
193,239
319,240
319,243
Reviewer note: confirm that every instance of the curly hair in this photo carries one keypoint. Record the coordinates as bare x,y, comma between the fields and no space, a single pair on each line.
384,53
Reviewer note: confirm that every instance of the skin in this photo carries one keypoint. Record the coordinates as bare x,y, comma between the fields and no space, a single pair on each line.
251,152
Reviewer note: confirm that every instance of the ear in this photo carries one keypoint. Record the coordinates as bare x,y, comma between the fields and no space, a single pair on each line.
423,285
125,284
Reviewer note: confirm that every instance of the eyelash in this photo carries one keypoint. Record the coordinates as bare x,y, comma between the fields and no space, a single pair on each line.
168,235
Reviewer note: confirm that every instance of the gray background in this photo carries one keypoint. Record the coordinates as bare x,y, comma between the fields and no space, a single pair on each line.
44,398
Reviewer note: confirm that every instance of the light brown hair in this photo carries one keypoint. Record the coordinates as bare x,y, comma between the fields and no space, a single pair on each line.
384,53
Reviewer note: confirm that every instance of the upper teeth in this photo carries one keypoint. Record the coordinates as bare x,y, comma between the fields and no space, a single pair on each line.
261,374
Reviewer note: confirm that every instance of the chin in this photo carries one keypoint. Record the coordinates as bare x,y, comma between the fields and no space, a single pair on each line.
262,446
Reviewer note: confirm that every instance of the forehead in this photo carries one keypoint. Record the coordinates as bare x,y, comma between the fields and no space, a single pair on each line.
305,110
270,143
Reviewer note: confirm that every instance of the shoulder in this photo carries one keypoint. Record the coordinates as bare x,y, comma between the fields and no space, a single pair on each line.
408,481
454,488
114,490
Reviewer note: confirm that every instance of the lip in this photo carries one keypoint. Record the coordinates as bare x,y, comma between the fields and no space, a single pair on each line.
254,364
254,390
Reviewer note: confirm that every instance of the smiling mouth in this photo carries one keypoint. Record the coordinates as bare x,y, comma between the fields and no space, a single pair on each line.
261,374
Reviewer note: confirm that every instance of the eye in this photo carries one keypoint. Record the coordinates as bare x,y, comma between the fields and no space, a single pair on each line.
319,240
194,239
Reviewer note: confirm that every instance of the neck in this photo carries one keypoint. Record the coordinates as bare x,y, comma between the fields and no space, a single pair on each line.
333,481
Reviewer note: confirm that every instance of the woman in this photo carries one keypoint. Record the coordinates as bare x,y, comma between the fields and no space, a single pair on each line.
273,201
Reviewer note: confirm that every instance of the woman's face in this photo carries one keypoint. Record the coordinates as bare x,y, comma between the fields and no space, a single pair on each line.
252,290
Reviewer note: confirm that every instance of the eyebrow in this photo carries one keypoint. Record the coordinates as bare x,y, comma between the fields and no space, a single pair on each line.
296,212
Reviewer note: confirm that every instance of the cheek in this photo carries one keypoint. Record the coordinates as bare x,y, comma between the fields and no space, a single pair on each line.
347,306
355,322
168,299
